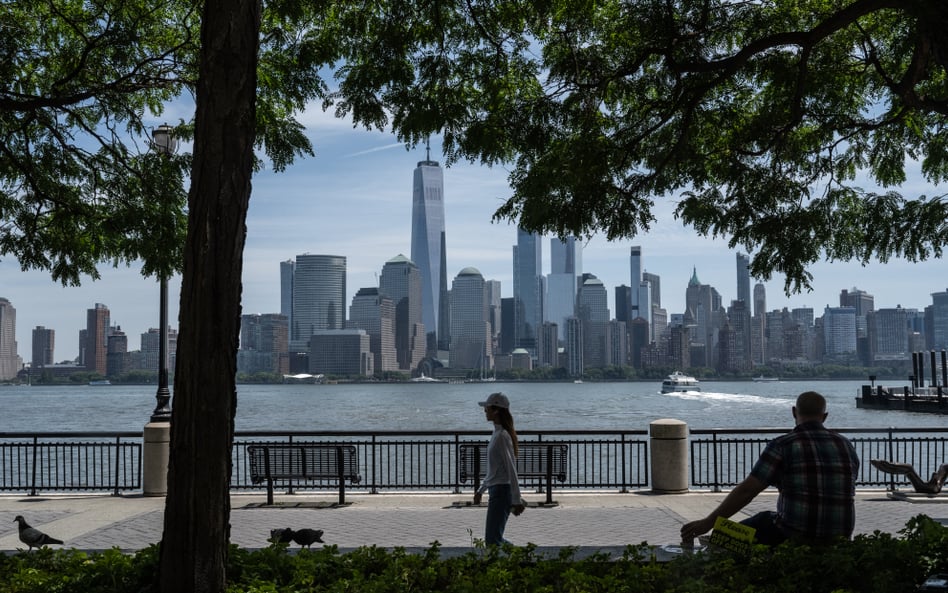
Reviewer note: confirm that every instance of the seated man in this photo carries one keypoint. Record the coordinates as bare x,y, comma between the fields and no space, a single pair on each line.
933,486
814,470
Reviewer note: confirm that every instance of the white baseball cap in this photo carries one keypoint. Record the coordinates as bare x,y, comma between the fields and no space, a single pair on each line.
498,400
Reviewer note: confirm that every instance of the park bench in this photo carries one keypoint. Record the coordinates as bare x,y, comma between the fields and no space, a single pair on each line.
303,461
548,461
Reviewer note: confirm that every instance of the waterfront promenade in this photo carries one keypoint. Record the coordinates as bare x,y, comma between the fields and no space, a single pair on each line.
590,521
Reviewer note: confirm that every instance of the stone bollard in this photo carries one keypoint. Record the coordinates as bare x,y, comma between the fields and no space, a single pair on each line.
155,453
669,456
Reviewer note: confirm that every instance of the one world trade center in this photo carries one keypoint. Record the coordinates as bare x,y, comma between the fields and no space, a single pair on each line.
428,251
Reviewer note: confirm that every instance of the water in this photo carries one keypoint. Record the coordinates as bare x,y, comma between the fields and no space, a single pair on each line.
441,406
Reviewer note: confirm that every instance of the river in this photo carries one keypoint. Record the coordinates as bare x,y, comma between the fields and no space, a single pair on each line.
443,406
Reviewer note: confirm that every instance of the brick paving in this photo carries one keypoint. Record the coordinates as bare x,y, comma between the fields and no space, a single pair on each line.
588,521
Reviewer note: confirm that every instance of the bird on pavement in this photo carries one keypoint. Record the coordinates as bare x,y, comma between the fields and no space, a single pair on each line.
281,536
306,537
32,537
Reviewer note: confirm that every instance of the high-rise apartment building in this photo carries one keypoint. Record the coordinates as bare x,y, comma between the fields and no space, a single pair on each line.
428,248
743,279
592,308
565,268
527,290
319,297
116,358
287,269
635,279
375,313
44,347
343,352
470,329
401,281
150,343
839,333
939,320
10,361
494,311
96,339
888,331
264,344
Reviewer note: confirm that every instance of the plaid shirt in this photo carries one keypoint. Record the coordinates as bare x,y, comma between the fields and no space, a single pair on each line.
815,471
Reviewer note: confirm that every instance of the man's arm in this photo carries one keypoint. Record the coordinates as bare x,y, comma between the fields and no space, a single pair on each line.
736,500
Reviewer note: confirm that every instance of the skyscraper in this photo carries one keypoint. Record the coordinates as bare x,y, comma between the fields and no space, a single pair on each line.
428,247
401,281
470,329
528,303
44,347
375,313
592,309
319,297
264,344
743,280
635,277
286,290
96,342
10,361
565,267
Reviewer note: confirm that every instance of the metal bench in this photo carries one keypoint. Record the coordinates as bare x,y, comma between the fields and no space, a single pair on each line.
304,461
536,460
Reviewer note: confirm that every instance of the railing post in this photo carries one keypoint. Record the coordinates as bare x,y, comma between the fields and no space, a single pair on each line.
33,473
373,489
623,488
549,474
714,457
118,456
457,463
341,466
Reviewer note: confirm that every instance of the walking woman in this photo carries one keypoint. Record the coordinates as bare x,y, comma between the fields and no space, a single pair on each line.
501,483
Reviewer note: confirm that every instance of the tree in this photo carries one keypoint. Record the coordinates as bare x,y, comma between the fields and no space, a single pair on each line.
765,116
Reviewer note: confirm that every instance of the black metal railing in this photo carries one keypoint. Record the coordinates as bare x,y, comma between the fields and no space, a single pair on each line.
70,461
428,460
721,458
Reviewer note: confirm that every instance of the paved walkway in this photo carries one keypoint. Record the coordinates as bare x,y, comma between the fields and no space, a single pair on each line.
589,521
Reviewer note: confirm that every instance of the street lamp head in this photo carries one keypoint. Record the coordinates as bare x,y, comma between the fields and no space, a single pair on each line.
163,140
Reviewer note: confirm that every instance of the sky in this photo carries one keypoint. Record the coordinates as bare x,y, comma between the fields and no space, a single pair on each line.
353,198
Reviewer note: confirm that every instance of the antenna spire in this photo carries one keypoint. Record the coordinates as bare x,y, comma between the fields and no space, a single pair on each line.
428,149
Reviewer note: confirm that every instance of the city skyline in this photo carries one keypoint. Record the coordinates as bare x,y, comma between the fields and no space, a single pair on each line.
354,199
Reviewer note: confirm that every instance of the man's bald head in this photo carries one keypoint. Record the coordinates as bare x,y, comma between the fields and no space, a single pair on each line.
810,406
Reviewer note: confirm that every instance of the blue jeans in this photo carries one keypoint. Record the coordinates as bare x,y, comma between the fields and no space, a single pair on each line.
498,510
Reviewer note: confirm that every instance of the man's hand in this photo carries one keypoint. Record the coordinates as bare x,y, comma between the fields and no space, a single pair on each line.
517,509
477,498
690,531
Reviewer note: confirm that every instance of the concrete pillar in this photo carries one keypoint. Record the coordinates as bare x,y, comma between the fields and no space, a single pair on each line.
669,456
155,453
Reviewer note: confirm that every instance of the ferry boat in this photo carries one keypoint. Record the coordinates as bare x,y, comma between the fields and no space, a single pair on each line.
679,382
426,379
761,378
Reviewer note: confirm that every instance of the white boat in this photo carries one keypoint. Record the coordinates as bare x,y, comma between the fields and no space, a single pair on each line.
99,382
679,382
762,378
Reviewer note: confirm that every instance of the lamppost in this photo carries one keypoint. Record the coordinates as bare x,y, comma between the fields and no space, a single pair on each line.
164,142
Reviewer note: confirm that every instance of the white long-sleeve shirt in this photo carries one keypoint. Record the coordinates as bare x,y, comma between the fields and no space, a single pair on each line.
501,464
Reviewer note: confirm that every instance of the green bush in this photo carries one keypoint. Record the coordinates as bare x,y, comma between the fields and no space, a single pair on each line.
876,563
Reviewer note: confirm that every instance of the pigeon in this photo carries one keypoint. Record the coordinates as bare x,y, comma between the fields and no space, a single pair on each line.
306,537
33,537
281,536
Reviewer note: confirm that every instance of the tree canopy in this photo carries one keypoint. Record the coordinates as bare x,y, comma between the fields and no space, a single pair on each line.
782,126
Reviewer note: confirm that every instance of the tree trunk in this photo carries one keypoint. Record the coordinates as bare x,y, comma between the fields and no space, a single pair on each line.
197,509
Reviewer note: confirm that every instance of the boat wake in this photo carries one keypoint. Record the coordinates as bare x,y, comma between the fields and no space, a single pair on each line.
711,396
